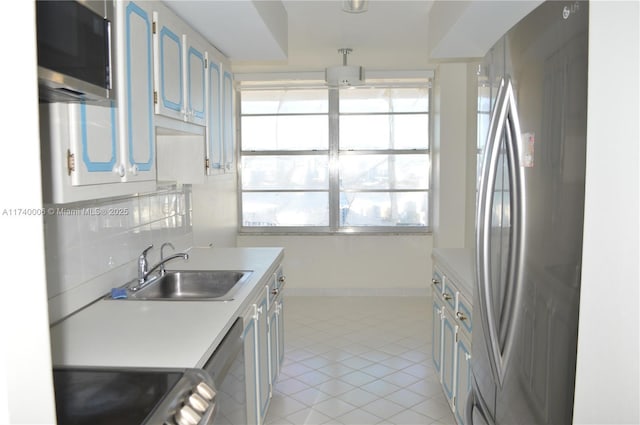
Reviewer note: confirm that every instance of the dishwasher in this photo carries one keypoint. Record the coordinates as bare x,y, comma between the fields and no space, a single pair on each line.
226,367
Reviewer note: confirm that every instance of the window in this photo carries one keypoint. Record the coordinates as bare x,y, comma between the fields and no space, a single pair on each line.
329,160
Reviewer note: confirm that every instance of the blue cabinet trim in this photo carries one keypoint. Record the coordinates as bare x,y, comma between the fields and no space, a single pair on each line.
91,165
132,8
215,127
200,57
447,328
166,33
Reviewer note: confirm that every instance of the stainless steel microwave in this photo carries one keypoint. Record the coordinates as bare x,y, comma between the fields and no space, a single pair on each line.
75,61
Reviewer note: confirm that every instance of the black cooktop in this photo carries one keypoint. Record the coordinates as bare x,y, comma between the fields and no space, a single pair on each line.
109,396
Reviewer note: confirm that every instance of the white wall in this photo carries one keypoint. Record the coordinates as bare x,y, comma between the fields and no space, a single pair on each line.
608,373
215,216
353,264
454,123
26,388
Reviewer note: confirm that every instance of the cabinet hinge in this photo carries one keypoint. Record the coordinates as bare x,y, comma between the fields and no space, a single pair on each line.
207,164
71,162
456,334
206,63
155,97
153,28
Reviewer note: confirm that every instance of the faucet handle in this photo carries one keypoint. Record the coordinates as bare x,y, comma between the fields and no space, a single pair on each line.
143,265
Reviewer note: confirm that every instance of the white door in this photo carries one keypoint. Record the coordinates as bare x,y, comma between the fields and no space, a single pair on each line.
136,89
228,129
195,63
214,117
93,143
168,53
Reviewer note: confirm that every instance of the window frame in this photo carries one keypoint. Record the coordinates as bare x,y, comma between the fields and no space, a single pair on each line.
334,153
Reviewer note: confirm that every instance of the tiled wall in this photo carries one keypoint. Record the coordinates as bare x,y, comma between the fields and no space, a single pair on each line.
93,246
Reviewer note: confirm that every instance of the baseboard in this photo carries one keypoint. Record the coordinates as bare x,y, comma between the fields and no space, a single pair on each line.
358,292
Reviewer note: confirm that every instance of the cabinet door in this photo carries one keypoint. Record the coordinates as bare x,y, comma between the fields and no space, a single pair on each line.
168,53
463,375
436,334
273,344
264,382
250,338
280,318
448,355
93,144
214,117
228,129
195,64
136,89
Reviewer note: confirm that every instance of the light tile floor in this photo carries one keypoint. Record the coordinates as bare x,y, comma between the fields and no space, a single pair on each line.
358,361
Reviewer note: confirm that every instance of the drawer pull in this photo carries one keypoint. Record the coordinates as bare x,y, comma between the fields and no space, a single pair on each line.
447,297
435,281
460,315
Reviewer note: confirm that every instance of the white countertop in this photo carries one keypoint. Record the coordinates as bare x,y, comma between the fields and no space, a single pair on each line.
459,264
171,334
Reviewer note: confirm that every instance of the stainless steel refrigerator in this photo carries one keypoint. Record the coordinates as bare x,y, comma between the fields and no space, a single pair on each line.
529,220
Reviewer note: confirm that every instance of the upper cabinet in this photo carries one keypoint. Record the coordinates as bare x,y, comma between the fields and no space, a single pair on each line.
169,82
215,160
228,128
169,97
134,47
196,61
181,59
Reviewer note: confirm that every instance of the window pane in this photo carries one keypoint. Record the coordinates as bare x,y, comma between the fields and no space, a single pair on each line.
384,171
304,132
384,131
384,100
483,129
284,101
285,209
384,209
285,172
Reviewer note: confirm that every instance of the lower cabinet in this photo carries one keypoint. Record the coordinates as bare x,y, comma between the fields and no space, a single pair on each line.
463,375
263,351
451,339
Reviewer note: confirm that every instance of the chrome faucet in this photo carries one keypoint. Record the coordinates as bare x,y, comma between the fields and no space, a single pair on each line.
162,270
143,265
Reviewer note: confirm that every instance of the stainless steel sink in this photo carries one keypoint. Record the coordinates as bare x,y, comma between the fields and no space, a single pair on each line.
214,285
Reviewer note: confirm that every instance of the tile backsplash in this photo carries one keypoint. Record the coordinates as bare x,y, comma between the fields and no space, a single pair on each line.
93,246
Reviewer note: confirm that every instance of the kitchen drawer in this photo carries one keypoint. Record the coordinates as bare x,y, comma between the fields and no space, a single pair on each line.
449,294
437,281
463,313
276,285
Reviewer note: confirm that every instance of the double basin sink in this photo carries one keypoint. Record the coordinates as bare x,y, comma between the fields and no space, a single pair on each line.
212,285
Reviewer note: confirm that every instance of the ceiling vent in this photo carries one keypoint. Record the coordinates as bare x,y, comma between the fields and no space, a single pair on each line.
344,75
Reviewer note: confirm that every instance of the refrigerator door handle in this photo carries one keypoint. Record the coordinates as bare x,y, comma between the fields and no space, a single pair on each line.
477,404
504,122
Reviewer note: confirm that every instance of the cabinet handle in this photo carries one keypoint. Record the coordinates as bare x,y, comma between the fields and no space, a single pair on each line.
447,297
435,281
460,315
119,170
282,279
275,291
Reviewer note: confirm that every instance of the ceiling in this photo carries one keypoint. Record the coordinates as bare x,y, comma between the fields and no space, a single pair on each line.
305,35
